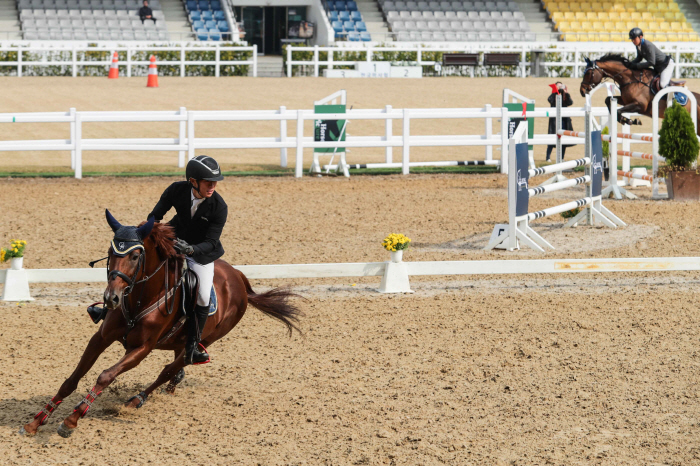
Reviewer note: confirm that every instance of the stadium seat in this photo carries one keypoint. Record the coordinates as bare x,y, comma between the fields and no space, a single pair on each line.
203,5
219,15
343,16
349,26
337,26
192,5
207,16
355,16
333,15
360,26
195,15
353,36
215,5
222,26
352,6
202,34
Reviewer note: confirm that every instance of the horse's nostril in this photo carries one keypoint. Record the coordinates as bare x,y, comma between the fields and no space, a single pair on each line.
115,300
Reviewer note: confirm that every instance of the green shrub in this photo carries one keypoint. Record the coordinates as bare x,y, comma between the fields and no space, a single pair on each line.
678,142
606,144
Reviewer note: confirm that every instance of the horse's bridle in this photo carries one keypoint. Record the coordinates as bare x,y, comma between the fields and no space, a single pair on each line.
593,66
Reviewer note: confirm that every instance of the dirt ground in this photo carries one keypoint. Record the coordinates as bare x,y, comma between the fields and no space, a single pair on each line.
100,94
594,369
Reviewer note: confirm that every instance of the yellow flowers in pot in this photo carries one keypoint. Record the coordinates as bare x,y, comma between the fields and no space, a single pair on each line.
396,242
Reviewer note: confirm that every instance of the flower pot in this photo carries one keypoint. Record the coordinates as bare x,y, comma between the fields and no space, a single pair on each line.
683,186
16,263
397,256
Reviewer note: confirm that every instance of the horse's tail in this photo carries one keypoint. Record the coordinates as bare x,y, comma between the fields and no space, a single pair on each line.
275,303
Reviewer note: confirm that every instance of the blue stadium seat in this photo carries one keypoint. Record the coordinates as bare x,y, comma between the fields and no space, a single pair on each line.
355,16
337,26
343,16
195,15
330,6
365,37
202,34
223,26
341,6
333,15
214,34
198,25
349,26
352,6
360,26
219,15
203,5
206,15
215,5
354,36
192,5
211,24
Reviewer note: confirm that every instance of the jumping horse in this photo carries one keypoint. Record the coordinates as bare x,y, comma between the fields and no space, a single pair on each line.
635,86
143,311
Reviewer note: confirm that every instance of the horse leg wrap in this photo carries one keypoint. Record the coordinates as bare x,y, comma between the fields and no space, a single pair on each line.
48,410
87,401
175,381
141,397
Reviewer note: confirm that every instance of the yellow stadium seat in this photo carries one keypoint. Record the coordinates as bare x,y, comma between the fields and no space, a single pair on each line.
557,16
669,16
604,36
620,26
679,16
563,26
586,26
620,7
585,6
609,26
652,7
642,24
650,36
676,27
640,6
662,7
562,7
580,16
665,26
614,16
597,7
630,7
635,16
575,26
673,6
574,7
660,37
570,16
687,27
631,24
592,16
599,27
606,6
654,26
646,16
672,37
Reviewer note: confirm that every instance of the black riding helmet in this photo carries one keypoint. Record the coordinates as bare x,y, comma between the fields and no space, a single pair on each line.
636,32
203,167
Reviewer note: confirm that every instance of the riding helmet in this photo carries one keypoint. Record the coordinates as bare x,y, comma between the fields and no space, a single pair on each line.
203,167
635,32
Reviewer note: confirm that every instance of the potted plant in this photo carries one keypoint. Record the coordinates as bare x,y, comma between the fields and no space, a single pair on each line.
15,253
679,145
606,155
396,243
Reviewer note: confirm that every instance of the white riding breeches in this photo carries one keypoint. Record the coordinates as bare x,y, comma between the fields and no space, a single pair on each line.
666,74
205,273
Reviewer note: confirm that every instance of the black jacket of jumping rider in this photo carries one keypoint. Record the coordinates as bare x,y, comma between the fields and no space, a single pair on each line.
203,230
655,58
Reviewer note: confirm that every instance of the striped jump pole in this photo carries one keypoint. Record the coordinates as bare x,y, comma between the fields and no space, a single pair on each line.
635,175
614,188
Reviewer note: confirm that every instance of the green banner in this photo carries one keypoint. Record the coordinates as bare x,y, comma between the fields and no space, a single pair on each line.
514,122
329,130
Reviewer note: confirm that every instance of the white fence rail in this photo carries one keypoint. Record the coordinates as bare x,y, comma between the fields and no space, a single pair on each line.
535,49
41,54
187,143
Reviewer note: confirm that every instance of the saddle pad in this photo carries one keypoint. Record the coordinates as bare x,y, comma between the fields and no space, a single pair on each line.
213,302
682,99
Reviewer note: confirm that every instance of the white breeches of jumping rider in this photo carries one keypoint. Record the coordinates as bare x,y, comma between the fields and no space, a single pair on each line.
205,273
666,74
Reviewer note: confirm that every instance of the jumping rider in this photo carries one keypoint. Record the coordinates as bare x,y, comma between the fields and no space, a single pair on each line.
655,58
200,217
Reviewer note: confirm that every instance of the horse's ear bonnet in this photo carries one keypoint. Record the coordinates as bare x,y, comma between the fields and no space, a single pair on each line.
127,238
589,63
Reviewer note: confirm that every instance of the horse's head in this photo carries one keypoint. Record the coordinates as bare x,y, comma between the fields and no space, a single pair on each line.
592,76
126,259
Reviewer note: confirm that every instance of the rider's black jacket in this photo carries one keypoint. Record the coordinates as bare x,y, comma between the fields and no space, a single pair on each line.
655,57
201,231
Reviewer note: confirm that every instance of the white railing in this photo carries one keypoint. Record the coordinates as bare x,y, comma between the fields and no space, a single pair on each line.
579,50
39,54
187,143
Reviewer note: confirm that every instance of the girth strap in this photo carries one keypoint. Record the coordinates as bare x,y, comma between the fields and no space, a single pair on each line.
156,305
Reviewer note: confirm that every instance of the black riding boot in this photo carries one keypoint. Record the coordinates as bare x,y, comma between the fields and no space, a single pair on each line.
195,325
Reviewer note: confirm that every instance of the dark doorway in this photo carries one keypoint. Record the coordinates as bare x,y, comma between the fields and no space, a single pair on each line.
267,26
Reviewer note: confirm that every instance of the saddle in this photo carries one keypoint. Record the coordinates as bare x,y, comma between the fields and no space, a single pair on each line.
656,83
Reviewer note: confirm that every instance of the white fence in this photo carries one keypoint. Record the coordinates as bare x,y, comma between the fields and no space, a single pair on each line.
540,49
41,54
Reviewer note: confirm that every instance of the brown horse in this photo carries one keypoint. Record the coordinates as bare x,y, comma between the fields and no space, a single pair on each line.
143,307
635,86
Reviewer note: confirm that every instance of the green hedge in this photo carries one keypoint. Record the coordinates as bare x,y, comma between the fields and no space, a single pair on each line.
137,55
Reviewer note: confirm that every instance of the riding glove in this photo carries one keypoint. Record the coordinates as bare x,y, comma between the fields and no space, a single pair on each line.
182,247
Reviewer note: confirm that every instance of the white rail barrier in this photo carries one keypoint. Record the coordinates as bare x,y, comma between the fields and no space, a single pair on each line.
78,51
187,142
376,269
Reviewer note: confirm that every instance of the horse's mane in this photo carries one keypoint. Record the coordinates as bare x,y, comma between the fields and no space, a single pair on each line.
163,235
614,57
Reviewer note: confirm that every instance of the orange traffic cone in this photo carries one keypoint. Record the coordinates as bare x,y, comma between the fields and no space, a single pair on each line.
114,68
152,73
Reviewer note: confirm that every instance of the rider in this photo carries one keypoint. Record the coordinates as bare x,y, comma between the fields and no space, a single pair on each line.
201,216
655,58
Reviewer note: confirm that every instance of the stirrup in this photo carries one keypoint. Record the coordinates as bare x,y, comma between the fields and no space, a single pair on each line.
202,352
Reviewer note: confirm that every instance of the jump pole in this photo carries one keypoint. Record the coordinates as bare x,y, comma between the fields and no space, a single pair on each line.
558,176
613,188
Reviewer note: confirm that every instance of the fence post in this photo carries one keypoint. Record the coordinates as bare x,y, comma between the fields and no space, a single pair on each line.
612,146
74,54
588,152
78,147
677,70
182,60
504,140
283,137
331,58
19,61
217,66
489,132
72,138
190,135
406,135
523,65
128,62
368,54
255,60
299,167
576,58
316,61
558,126
181,138
388,125
289,61
419,56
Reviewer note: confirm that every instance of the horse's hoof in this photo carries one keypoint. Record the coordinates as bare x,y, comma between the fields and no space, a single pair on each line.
64,431
141,398
22,431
